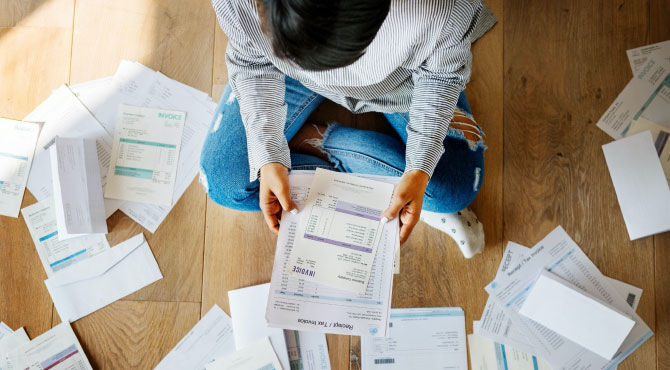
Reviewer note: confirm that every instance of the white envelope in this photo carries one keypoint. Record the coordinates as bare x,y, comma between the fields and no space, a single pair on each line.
102,279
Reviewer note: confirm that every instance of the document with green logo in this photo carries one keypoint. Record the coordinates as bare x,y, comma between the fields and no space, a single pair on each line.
145,153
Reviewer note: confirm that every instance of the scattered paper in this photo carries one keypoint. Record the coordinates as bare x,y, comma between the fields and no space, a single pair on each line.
10,342
54,253
94,283
638,57
488,355
298,304
640,185
79,206
210,338
661,138
145,155
256,356
249,323
17,146
419,338
307,350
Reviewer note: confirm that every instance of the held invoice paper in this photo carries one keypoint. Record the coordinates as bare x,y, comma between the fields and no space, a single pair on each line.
559,254
145,155
249,322
640,184
210,338
295,303
57,254
563,308
646,95
339,230
17,146
486,354
57,349
419,338
307,350
258,355
77,188
638,57
102,279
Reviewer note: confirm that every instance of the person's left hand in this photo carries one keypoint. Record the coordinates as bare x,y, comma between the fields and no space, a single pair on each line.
407,201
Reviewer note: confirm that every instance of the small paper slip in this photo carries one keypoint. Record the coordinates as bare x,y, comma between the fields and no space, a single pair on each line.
638,57
145,154
558,306
307,350
17,146
247,309
79,206
640,185
102,279
210,338
57,349
256,356
9,342
57,254
419,338
486,354
339,230
4,330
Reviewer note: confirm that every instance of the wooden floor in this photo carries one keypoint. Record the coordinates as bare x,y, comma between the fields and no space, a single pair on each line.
541,80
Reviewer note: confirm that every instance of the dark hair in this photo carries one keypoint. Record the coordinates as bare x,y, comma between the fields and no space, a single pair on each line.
322,34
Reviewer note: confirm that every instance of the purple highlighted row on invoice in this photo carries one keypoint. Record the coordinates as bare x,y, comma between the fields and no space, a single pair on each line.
358,210
338,243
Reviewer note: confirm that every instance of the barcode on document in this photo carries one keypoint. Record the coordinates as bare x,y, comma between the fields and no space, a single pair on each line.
382,361
630,299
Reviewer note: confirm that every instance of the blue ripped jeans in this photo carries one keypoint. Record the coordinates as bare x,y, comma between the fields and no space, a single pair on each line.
225,169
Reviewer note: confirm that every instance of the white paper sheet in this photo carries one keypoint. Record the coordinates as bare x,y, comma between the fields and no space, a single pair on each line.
77,187
247,309
258,355
303,305
558,253
419,338
565,309
10,342
54,253
340,221
307,350
488,355
211,338
17,146
661,138
4,330
640,185
646,96
57,349
637,57
102,279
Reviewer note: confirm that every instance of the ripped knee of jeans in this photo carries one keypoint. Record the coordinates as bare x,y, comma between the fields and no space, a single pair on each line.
463,126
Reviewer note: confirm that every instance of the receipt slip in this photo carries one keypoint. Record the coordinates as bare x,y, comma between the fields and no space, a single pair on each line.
638,57
565,309
640,184
77,188
256,356
145,155
102,279
17,146
339,230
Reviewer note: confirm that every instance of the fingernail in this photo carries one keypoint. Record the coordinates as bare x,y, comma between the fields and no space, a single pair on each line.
294,211
384,220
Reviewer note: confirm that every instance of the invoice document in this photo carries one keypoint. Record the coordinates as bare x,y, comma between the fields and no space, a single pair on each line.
339,230
57,349
295,303
17,146
211,338
258,355
486,354
145,155
247,309
646,95
559,254
637,57
77,188
575,315
640,184
94,283
57,254
419,338
307,350
9,342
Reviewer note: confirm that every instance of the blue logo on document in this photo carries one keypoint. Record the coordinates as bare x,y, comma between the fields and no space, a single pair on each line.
493,285
373,331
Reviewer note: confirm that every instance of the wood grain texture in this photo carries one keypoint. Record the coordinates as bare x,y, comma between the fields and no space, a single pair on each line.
177,39
564,63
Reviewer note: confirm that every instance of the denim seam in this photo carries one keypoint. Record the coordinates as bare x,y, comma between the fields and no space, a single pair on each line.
300,110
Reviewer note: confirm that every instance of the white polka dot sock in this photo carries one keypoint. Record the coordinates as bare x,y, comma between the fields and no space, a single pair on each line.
463,227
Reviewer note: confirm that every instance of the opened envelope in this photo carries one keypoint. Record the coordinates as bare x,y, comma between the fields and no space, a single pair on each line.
91,284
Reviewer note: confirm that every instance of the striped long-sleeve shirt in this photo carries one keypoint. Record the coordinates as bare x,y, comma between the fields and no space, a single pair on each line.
419,62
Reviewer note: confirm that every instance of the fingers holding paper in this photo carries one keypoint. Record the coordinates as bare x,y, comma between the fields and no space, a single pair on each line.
275,196
407,201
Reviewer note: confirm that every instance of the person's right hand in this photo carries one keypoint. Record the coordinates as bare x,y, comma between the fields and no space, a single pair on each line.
274,194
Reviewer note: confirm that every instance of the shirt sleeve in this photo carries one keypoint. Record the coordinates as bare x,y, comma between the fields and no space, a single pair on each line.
437,85
259,89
